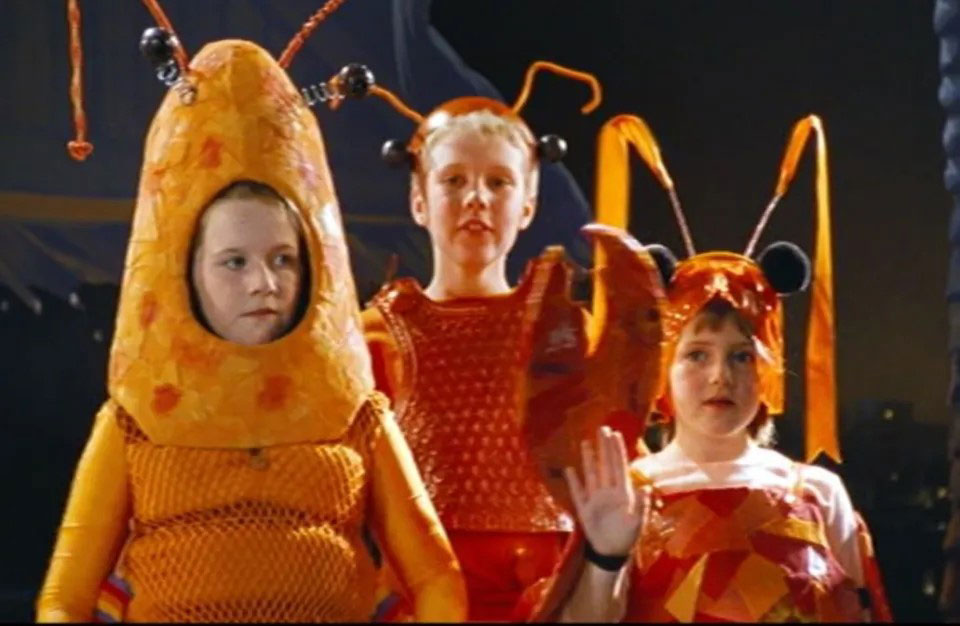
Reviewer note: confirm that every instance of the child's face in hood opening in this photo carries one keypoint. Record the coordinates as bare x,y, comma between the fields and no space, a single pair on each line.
247,271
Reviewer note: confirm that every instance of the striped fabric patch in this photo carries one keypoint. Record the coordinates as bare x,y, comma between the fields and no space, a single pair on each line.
112,602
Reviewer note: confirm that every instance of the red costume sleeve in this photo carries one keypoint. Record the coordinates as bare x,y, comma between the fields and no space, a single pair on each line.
879,605
386,360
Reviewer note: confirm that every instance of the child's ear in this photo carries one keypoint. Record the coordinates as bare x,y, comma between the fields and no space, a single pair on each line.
530,204
529,212
418,205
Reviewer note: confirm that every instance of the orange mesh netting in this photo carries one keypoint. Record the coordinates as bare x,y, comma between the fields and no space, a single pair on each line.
197,553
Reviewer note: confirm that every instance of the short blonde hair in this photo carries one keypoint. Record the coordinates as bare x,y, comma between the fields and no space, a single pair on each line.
488,124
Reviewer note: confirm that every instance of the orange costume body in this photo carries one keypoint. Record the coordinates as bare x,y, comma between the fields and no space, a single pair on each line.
229,482
453,370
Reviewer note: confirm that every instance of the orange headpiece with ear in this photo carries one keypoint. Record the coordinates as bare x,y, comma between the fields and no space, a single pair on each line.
752,286
396,152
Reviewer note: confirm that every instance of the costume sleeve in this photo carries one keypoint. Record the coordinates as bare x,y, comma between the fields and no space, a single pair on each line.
386,359
841,526
93,527
879,605
410,533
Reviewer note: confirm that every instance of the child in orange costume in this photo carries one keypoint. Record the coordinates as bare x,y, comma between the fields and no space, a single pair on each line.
451,355
715,527
243,445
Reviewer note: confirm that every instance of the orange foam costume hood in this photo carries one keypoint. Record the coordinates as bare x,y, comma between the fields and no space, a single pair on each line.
184,385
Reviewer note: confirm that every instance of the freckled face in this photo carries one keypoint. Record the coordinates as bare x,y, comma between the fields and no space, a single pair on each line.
713,380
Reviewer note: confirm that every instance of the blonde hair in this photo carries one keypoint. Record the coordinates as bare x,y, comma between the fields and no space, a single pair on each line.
489,124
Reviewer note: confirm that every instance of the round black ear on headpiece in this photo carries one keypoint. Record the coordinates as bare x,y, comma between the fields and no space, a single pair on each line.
786,267
395,153
355,79
665,260
551,148
157,45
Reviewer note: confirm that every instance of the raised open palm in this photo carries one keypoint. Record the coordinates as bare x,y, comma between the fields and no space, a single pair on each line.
610,510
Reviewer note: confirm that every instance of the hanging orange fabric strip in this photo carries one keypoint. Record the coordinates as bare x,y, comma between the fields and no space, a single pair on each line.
821,419
79,148
161,18
613,166
308,27
821,372
613,188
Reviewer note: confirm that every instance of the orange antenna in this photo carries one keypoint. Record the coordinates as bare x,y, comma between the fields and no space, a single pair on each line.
396,103
306,30
566,72
161,18
79,148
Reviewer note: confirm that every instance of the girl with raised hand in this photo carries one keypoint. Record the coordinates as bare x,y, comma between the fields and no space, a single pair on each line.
717,526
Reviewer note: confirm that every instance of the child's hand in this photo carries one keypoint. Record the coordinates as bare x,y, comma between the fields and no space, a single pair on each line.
609,509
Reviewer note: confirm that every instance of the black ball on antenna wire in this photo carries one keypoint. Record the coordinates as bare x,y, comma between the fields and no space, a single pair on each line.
394,152
552,148
158,45
356,80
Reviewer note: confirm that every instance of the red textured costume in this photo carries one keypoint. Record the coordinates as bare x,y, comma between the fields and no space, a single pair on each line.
456,404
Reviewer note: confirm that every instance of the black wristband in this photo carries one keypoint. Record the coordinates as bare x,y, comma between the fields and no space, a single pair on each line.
604,561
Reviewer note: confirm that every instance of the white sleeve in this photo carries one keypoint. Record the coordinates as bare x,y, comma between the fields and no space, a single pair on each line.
839,518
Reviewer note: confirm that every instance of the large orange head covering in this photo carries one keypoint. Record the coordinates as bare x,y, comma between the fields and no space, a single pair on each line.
184,385
752,286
